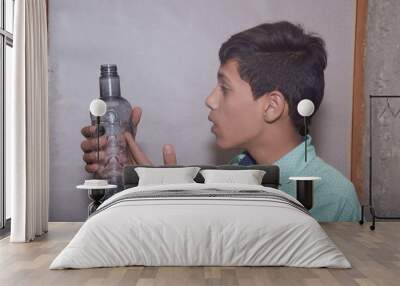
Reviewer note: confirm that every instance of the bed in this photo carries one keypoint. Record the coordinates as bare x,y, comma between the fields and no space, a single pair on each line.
201,224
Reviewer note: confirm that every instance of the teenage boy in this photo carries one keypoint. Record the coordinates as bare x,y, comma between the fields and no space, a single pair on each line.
264,73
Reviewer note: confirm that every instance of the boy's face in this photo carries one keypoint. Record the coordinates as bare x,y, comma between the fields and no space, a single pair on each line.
237,116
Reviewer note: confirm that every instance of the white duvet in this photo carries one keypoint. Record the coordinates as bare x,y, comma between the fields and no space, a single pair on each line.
200,231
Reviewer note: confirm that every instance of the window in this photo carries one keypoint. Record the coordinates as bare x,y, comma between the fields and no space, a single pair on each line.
6,45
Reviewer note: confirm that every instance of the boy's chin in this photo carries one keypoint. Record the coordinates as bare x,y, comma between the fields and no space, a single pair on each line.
223,144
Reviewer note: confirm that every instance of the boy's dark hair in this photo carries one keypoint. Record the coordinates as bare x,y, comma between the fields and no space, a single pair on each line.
280,56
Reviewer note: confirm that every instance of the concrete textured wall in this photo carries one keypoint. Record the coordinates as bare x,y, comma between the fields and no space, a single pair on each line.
382,77
167,56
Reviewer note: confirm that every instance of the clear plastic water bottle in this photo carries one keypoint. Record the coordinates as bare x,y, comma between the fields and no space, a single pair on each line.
113,124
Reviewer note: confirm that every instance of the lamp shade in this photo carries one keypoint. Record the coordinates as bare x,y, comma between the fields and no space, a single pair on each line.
98,107
305,107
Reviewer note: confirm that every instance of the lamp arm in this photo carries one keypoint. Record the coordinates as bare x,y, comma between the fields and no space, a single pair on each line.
98,136
305,138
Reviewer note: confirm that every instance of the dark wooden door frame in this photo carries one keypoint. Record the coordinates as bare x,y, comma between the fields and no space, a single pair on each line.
358,113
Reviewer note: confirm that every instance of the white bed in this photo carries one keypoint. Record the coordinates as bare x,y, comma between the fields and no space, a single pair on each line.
183,230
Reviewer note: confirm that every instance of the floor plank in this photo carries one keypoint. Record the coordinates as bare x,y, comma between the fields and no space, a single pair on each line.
374,255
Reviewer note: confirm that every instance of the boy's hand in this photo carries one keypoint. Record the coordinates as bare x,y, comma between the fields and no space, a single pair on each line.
89,147
136,155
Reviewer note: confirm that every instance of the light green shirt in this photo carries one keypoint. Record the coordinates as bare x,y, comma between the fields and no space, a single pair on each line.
335,198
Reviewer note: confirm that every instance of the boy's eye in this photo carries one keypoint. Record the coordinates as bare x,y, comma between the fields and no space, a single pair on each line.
224,89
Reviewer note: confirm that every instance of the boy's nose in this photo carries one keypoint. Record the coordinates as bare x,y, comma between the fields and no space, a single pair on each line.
211,101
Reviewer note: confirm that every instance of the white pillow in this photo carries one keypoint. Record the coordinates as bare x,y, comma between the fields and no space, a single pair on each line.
160,176
249,177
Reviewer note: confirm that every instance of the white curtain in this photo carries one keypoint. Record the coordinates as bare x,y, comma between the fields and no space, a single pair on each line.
27,155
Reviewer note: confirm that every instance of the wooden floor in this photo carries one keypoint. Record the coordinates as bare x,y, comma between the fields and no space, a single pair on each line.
375,257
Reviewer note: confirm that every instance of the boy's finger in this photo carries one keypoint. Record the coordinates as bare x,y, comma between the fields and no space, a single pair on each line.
90,145
90,131
131,160
169,155
91,157
91,168
136,152
136,115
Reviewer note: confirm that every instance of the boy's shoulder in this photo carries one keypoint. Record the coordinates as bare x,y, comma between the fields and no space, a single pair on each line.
331,178
337,197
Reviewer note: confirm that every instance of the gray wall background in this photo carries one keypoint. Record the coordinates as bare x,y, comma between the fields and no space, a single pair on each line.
382,74
167,56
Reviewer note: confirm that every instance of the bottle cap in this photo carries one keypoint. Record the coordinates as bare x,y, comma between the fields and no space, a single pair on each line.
108,70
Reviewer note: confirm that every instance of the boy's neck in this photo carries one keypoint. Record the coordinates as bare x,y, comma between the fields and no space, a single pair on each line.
271,147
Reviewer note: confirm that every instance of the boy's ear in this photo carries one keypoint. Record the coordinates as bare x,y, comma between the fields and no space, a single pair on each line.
275,106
